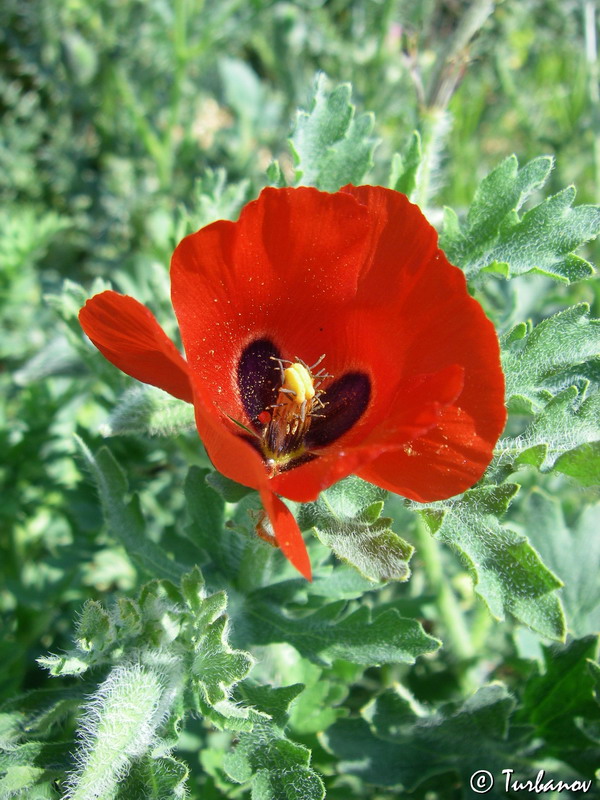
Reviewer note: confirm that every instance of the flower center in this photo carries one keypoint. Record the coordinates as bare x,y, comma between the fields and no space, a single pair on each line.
287,421
292,416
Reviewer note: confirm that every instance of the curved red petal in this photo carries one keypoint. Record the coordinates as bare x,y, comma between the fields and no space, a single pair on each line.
281,272
128,335
433,322
287,533
443,462
228,451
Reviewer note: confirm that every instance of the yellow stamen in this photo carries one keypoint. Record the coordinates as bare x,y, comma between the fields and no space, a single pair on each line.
298,380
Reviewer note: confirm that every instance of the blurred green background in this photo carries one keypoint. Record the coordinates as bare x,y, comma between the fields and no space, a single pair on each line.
126,123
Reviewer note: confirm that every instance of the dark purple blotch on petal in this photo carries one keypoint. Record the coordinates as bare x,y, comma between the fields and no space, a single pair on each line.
345,401
258,378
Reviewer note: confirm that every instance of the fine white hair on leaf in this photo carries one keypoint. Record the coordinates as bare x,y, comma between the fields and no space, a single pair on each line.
119,724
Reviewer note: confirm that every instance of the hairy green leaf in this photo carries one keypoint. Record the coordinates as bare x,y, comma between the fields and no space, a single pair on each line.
148,411
398,743
347,518
508,574
361,637
405,167
559,430
562,701
119,725
494,238
163,778
573,553
275,767
559,352
331,146
125,520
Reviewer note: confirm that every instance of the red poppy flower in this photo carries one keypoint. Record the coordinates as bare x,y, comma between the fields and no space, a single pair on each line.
325,334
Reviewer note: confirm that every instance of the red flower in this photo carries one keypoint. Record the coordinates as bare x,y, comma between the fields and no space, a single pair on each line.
325,334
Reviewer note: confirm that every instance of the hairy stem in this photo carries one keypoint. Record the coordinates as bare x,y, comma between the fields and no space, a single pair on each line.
457,633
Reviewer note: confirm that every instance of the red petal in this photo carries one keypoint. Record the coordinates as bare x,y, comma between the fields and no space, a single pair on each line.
128,335
228,451
287,533
444,462
419,302
281,272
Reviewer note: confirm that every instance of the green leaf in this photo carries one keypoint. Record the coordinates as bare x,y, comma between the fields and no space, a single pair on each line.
229,490
398,743
206,509
155,779
361,637
94,628
148,411
331,146
508,574
318,706
560,352
168,652
562,427
347,519
560,702
18,778
26,236
403,176
216,667
572,554
495,238
277,768
214,197
125,520
581,463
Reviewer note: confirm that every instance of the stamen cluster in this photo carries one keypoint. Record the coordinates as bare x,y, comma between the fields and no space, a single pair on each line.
288,420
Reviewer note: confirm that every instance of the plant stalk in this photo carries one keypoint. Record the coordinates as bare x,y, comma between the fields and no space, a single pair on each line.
457,633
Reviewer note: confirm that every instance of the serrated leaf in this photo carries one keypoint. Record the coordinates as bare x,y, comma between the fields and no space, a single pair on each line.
125,520
94,628
573,554
544,239
559,352
507,572
64,665
331,146
214,197
495,238
216,667
397,743
557,701
155,779
347,519
581,463
361,637
148,411
561,427
276,767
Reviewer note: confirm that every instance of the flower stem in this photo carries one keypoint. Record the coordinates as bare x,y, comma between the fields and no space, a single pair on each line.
435,127
446,75
451,616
